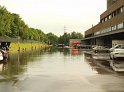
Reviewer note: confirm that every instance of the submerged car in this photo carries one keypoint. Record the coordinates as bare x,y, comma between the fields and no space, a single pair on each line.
117,52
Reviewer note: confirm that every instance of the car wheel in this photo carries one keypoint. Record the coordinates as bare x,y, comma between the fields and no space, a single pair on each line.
113,58
95,51
110,57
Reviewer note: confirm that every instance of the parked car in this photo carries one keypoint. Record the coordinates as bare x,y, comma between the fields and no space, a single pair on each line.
115,47
60,46
97,49
117,52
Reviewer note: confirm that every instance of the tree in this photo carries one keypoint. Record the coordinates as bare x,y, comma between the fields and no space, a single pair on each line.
5,21
64,39
12,25
52,39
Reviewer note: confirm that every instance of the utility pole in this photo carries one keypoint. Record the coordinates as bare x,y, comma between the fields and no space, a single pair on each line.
65,28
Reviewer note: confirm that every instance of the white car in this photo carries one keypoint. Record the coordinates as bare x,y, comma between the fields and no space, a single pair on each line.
117,52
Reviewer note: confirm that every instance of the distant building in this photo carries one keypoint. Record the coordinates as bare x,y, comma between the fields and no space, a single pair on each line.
110,27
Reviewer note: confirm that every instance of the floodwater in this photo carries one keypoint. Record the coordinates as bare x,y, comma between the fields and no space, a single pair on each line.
58,70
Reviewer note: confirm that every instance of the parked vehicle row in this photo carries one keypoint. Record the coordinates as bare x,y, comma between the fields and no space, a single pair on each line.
115,52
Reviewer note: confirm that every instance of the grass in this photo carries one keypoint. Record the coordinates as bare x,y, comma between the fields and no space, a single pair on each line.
22,47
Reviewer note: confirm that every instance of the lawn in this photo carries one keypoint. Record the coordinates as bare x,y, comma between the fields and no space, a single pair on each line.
22,47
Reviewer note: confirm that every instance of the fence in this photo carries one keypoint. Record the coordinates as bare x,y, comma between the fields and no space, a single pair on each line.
9,39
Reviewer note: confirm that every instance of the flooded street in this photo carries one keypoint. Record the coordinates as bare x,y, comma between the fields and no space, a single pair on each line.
54,70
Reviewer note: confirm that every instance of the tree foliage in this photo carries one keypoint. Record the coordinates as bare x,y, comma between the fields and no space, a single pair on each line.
52,39
64,39
12,25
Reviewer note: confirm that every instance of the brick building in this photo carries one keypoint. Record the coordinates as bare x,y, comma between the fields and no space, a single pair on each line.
110,27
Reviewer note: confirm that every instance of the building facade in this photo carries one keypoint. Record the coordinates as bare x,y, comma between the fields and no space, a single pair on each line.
110,27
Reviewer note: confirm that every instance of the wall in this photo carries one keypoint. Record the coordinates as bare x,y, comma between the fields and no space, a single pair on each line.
110,2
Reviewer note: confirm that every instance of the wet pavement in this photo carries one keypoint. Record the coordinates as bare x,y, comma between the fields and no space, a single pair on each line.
59,70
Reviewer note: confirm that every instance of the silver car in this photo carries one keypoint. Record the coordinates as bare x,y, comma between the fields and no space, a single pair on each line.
117,52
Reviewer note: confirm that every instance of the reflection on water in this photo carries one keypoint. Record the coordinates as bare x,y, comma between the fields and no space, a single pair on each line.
56,70
18,63
117,66
99,66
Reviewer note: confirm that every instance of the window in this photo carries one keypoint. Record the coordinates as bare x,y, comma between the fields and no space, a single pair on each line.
109,17
108,29
114,13
106,19
118,10
102,20
96,33
113,27
119,26
121,9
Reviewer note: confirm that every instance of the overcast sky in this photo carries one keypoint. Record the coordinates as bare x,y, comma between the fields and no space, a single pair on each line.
53,15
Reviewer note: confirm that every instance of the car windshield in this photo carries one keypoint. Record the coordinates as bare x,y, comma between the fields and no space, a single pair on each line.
119,47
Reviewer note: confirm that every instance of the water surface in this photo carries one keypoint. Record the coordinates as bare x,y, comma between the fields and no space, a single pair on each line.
57,70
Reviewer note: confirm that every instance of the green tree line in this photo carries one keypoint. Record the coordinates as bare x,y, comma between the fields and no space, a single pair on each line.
12,25
64,39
